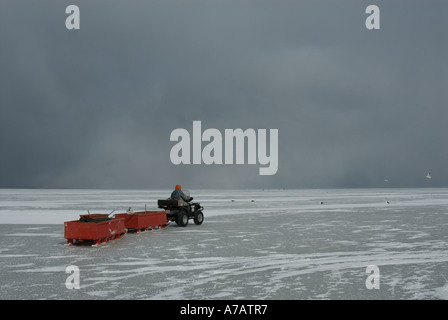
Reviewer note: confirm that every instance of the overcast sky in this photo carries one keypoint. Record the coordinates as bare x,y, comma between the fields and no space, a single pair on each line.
95,107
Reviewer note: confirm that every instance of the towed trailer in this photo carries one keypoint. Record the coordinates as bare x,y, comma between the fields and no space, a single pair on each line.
97,229
144,220
94,229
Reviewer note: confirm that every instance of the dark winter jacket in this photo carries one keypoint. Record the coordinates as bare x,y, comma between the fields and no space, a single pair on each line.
179,195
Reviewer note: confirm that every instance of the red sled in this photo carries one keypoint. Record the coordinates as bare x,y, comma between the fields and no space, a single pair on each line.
94,228
144,220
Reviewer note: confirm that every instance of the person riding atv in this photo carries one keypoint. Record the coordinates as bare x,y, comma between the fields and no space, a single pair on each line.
178,194
180,209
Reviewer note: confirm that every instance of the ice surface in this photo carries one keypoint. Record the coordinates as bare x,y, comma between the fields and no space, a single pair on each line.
253,244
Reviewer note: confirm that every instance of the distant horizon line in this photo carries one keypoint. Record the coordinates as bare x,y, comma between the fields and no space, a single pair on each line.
224,188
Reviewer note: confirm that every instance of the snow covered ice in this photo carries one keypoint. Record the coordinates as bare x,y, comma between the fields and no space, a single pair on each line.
253,244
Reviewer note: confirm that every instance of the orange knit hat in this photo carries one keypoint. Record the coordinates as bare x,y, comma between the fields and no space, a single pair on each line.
178,187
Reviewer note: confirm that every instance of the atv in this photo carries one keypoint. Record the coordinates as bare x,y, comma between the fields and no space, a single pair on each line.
181,211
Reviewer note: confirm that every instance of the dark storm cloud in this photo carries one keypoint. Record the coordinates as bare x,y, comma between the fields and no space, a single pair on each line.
95,107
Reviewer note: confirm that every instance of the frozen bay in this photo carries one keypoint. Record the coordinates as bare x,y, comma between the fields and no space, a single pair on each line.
253,244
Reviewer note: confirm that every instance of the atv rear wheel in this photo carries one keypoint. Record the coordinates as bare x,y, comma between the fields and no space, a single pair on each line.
182,218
